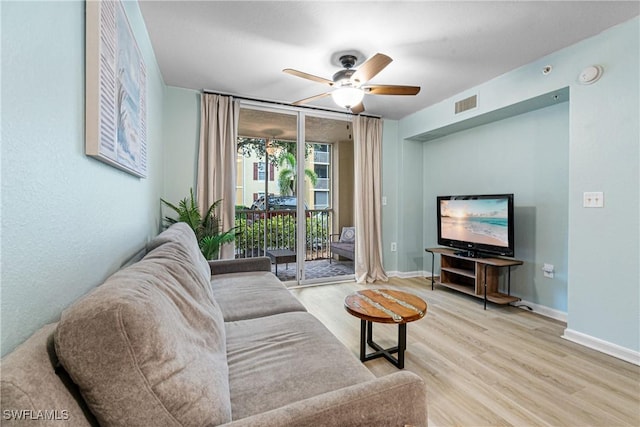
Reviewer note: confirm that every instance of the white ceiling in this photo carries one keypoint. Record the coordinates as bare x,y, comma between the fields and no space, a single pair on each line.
446,47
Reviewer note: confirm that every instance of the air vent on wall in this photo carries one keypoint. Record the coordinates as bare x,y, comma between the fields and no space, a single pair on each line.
467,104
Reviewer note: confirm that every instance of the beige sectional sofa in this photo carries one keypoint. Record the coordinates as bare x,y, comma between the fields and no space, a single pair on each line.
174,340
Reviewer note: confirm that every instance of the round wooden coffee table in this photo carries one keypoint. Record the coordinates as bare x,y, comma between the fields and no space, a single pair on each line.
384,306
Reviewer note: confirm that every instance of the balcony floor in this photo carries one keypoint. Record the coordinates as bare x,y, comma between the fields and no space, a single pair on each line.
315,269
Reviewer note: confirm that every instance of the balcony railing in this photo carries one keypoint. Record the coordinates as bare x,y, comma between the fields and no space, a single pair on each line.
259,231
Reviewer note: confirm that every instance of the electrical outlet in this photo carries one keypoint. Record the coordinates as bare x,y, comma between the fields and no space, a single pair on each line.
384,200
394,247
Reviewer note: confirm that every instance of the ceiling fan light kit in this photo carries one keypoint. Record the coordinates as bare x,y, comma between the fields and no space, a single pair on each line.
347,97
350,83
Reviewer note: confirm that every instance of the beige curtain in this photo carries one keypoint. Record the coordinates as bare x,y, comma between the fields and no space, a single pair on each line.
367,133
217,159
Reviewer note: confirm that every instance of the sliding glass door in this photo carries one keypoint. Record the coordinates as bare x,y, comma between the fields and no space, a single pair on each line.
287,191
327,138
266,201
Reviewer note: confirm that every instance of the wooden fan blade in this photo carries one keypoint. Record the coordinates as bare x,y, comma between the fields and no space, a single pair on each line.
311,98
371,67
358,108
391,90
308,76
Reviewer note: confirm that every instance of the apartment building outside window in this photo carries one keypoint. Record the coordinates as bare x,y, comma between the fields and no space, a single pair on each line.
259,171
322,168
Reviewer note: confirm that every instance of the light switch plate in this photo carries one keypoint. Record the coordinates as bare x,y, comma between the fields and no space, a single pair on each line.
593,199
548,271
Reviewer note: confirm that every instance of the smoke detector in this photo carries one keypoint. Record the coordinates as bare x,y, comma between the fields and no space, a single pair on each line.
590,75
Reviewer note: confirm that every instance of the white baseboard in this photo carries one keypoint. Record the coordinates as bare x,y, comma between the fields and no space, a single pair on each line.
408,274
544,310
606,347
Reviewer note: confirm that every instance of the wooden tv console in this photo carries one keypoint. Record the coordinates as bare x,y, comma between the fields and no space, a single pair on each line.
477,277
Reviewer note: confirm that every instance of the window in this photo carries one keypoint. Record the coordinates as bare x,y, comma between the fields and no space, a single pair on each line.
321,153
321,170
259,171
321,199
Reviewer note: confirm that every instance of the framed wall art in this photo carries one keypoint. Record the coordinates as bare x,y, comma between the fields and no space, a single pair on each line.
116,90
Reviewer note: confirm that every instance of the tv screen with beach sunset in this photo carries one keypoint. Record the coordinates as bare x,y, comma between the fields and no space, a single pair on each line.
477,223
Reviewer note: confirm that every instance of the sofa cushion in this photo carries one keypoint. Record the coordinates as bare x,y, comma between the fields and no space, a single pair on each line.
148,346
181,234
31,382
252,294
280,359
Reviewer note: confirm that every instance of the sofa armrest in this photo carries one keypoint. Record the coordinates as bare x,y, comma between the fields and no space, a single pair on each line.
394,400
225,266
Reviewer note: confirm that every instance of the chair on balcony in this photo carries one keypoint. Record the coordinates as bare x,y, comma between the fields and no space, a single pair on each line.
345,246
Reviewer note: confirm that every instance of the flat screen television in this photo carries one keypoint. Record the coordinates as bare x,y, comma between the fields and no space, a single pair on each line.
477,225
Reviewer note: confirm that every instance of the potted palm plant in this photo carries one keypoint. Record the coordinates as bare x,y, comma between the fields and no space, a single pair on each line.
207,227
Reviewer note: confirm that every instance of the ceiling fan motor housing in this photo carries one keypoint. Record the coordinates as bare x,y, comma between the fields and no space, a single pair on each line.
348,61
343,78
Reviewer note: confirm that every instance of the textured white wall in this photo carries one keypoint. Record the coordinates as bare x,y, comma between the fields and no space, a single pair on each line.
68,221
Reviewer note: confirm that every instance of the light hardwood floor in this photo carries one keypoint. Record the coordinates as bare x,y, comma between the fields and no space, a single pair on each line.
501,367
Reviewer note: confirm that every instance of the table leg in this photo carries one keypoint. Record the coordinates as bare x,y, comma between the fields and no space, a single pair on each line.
363,340
366,337
402,344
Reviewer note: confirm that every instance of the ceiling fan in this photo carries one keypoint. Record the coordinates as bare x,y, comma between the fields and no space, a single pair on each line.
350,84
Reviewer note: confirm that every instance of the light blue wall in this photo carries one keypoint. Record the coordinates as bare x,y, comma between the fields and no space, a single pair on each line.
411,204
604,271
526,155
391,210
181,134
603,277
402,218
68,221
